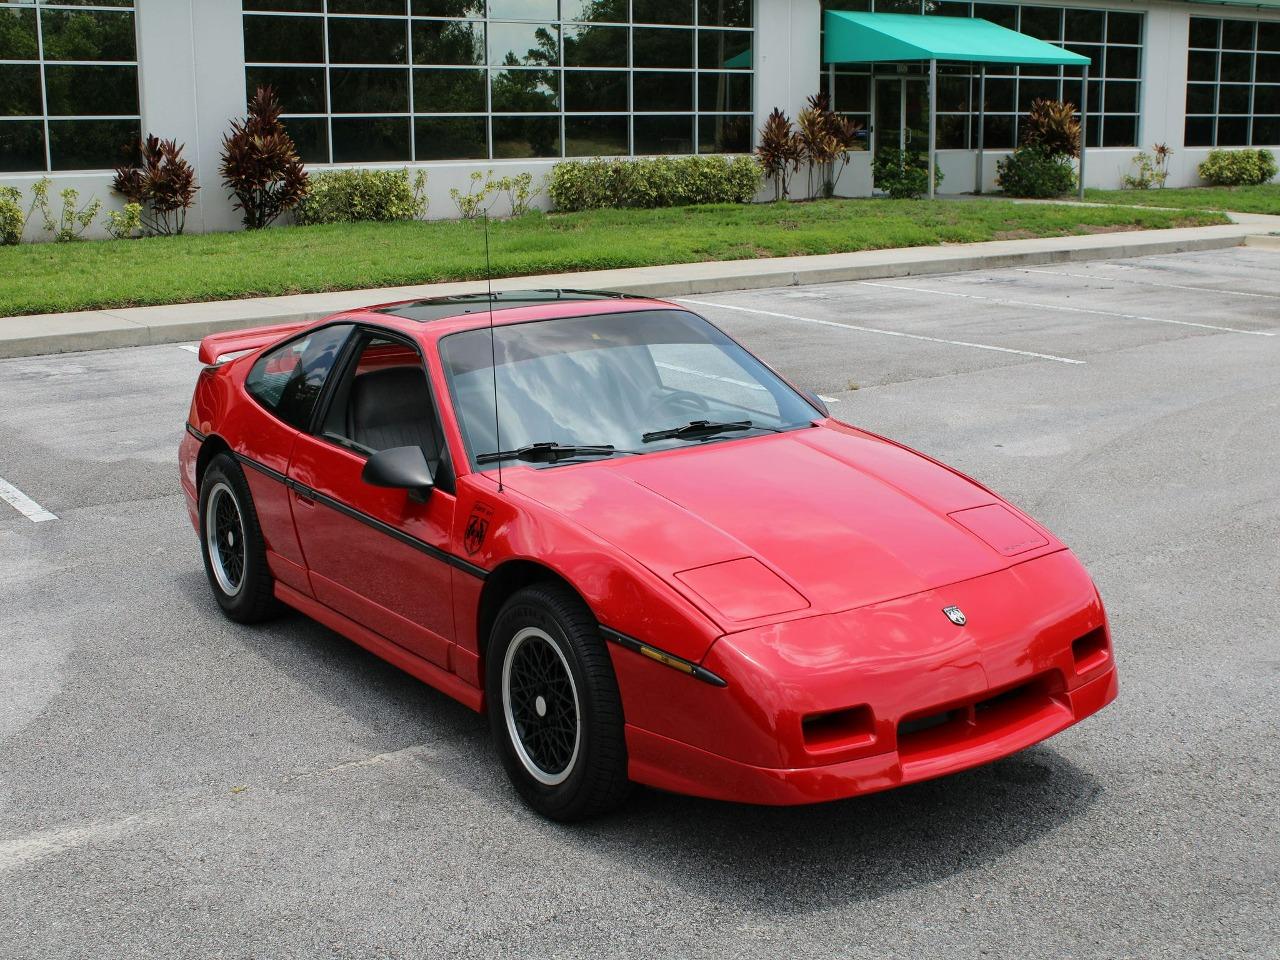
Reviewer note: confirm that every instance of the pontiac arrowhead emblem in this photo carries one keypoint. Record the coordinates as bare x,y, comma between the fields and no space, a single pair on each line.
955,615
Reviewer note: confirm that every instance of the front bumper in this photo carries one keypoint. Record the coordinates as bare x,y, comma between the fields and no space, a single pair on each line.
833,706
672,765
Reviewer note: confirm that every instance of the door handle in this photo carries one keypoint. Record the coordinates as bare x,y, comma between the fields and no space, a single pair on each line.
304,495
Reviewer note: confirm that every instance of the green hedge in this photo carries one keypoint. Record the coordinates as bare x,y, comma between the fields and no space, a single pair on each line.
903,175
1234,168
1035,171
656,182
349,196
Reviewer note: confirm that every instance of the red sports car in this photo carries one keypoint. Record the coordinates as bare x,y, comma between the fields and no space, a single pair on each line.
643,552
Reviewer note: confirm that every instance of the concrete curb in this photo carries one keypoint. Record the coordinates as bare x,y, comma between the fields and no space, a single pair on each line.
141,326
1264,241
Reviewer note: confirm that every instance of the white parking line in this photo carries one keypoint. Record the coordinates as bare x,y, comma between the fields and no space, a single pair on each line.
189,347
1004,301
1151,283
885,333
23,504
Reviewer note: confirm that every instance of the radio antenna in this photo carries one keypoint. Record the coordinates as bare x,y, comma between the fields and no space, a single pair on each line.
493,349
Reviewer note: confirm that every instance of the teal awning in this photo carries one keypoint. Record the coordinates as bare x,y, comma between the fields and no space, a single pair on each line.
868,37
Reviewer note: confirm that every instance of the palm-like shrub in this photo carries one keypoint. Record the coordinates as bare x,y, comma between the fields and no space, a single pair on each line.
827,139
1052,125
260,164
163,185
781,152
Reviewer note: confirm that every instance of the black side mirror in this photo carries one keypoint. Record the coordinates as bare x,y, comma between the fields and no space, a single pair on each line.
817,402
403,468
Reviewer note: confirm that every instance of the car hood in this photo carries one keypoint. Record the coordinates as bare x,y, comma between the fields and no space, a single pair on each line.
811,521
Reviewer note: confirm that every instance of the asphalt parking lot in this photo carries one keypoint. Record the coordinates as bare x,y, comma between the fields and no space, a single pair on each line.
174,785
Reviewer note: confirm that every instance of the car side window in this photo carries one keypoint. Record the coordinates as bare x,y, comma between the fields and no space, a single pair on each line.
384,401
288,380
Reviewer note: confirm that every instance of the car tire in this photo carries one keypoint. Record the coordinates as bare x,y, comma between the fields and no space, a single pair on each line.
554,707
235,553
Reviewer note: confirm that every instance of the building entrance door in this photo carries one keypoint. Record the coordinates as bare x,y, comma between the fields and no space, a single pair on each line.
902,113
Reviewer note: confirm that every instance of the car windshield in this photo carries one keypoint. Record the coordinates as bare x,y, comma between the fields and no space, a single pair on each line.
635,382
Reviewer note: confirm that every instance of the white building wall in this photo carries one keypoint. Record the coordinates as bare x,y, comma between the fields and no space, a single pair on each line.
191,78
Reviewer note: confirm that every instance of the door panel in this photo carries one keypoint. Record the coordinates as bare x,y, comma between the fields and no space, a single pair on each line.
902,114
264,446
375,554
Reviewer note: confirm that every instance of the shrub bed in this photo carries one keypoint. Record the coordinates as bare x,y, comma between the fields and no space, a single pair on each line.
903,175
656,182
351,196
1035,171
1234,168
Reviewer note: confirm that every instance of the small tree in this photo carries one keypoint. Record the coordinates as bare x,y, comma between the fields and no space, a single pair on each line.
163,185
260,164
1052,124
780,151
827,139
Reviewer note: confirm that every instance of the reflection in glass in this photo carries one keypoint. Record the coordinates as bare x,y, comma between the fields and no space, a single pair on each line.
310,137
1204,33
594,11
91,90
724,92
92,144
1124,27
283,40
21,145
522,9
18,36
460,43
724,50
1199,132
662,91
20,90
300,89
1237,34
662,11
88,35
663,135
517,137
369,90
595,91
448,91
662,47
727,134
524,44
448,8
524,91
728,13
368,41
595,137
1266,131
382,7
451,138
1119,131
370,140
591,46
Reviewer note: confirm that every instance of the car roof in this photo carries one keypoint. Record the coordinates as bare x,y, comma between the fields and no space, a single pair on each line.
435,317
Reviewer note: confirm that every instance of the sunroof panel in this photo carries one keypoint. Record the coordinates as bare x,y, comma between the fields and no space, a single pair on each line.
442,308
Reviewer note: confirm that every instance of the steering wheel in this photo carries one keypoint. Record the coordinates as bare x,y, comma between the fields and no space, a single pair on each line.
683,404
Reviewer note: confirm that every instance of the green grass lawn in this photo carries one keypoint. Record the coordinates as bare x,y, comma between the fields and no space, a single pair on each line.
1263,199
43,278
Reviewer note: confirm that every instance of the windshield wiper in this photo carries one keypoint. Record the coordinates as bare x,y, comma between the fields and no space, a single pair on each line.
550,452
696,429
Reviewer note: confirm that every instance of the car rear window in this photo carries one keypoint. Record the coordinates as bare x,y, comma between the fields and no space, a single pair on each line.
288,380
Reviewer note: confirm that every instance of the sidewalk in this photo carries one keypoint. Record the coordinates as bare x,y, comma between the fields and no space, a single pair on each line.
138,326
